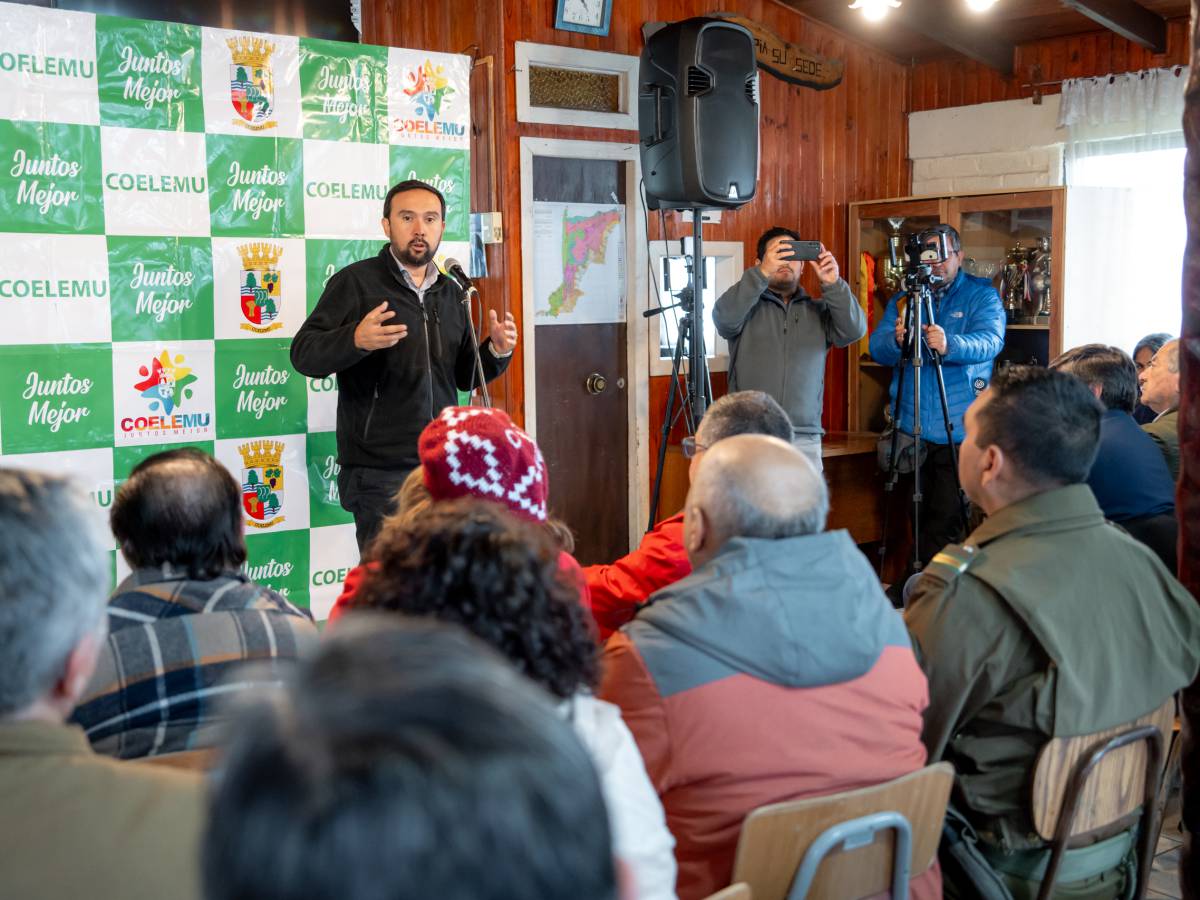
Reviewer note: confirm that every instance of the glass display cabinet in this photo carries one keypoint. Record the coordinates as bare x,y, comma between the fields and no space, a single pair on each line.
1013,238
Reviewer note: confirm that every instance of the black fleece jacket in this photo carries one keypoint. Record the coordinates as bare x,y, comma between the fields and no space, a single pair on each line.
385,397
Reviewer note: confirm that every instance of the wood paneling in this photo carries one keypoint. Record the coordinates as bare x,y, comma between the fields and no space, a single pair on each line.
954,81
820,150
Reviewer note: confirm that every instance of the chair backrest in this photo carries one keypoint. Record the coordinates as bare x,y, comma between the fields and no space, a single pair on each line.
774,838
1115,787
201,760
733,892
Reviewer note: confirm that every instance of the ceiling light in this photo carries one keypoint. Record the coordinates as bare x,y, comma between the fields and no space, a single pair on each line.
874,10
981,5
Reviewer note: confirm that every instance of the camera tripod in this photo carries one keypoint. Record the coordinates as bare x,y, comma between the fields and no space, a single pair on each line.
695,394
915,351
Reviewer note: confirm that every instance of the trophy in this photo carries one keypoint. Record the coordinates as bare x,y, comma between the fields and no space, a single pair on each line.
892,277
1016,283
1039,280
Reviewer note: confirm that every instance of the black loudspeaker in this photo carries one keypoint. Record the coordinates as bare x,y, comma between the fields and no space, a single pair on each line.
698,115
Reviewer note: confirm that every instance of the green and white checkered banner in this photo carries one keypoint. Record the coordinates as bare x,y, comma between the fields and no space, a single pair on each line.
173,200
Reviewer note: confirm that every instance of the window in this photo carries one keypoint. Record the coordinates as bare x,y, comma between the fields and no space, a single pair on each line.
669,265
1125,240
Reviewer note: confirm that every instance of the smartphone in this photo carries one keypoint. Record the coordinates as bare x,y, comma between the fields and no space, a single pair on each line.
804,250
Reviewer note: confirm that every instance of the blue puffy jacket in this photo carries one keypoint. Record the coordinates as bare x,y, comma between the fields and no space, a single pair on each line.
973,318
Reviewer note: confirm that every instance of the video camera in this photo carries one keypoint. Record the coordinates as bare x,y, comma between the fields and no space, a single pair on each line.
923,251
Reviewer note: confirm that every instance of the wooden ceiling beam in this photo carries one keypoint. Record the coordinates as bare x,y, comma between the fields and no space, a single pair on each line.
934,19
973,43
1127,18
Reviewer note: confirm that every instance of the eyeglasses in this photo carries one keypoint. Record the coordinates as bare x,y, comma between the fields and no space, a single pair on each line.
691,447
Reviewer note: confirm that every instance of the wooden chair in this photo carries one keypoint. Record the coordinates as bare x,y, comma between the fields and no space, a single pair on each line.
1095,786
733,892
201,760
805,849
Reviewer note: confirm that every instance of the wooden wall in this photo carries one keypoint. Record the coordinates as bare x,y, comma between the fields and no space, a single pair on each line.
959,82
820,150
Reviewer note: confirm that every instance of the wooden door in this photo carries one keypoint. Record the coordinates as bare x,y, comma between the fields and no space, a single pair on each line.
583,425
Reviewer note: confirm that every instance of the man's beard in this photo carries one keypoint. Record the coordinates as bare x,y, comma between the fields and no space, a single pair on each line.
783,284
409,258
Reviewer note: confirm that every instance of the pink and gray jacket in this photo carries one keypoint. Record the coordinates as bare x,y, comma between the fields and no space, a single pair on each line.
777,670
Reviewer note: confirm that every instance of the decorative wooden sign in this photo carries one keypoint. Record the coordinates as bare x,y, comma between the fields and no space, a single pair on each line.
787,61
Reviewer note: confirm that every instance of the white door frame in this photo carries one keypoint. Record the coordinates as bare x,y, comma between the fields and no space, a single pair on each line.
637,359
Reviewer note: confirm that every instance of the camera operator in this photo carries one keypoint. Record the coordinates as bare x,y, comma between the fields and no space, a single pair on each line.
778,335
967,329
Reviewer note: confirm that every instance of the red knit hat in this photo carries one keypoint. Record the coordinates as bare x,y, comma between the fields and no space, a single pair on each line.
471,451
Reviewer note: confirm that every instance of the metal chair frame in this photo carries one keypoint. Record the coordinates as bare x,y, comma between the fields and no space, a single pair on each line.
1064,840
851,835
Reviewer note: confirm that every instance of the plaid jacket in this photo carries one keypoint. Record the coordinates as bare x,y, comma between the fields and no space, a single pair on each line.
176,649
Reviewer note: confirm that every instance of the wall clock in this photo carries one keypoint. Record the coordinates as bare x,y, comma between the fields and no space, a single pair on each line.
585,16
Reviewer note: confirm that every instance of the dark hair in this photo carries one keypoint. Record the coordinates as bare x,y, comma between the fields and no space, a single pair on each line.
1108,367
770,234
472,562
406,759
1152,342
746,412
412,184
182,508
1046,421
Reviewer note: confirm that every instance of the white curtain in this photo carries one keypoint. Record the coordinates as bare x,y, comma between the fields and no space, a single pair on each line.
1125,229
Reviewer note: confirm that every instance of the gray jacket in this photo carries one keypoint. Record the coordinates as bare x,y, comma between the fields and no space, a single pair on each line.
780,349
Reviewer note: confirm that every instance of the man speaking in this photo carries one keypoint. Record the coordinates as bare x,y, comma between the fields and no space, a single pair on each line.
394,330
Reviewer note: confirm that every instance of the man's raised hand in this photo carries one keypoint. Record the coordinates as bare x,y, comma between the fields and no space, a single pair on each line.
373,334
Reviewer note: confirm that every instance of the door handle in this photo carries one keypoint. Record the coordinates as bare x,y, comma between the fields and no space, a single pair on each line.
596,383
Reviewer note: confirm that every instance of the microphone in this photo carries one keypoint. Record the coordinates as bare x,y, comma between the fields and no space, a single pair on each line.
455,271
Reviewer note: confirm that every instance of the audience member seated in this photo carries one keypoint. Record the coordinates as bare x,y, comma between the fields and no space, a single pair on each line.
777,670
1143,352
1129,477
1047,622
472,451
1160,391
186,619
73,824
407,760
472,563
618,589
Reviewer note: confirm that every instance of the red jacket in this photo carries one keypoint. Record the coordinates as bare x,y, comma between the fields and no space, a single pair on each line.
355,577
620,588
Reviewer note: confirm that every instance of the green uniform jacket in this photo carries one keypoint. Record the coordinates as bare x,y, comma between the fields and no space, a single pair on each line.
1048,622
74,824
1165,431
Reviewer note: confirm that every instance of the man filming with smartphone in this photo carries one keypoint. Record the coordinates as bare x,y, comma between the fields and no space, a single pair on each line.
778,335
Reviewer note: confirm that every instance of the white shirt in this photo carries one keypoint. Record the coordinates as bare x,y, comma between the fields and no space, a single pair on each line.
640,836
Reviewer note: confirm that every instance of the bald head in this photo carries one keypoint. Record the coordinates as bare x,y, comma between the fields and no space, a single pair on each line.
752,486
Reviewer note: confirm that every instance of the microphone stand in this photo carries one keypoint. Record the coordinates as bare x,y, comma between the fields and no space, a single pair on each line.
478,373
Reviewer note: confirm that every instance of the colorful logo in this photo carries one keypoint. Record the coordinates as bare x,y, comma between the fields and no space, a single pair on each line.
429,88
262,482
261,293
251,83
166,383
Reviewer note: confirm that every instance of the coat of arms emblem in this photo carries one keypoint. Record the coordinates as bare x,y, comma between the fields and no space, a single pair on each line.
261,292
262,483
251,84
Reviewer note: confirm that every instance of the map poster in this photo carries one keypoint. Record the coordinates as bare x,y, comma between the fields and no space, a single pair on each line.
579,263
